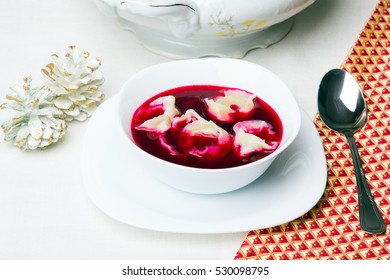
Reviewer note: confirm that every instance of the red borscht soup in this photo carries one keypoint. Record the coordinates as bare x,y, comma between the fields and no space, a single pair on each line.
207,126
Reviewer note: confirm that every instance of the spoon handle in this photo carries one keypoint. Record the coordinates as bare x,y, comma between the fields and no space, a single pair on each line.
370,218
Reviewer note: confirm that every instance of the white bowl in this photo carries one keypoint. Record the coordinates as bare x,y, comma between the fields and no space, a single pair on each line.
207,71
197,28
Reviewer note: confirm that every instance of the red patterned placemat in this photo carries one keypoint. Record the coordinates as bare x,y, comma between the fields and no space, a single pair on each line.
331,229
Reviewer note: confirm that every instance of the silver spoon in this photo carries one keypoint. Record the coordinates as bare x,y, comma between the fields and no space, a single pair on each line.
342,108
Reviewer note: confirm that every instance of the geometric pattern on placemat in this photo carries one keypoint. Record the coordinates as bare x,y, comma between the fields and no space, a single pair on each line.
331,229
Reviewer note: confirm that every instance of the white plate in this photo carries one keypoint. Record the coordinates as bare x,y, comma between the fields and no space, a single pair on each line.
123,190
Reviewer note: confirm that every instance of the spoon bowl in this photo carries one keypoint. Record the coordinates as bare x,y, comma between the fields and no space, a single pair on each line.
342,108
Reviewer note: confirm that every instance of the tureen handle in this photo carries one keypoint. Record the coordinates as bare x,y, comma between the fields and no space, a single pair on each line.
182,16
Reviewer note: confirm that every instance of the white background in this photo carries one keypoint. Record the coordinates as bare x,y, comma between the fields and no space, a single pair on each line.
45,212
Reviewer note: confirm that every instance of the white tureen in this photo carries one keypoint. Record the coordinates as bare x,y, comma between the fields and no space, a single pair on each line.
197,28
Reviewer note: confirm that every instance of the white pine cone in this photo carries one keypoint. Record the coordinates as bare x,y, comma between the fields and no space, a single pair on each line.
37,123
75,79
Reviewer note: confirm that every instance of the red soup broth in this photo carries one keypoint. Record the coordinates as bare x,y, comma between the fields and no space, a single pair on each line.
192,97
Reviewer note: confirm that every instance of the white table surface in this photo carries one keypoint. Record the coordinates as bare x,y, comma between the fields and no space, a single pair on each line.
45,212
